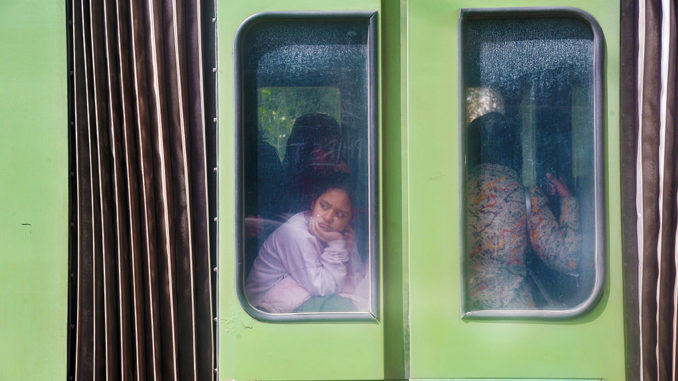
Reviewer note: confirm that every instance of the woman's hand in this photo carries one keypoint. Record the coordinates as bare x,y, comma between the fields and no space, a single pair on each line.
323,235
557,186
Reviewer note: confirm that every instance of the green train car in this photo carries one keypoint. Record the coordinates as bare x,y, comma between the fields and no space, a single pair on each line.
338,190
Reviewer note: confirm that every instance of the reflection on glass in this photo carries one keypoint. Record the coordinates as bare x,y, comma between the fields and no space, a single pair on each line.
305,136
279,108
529,178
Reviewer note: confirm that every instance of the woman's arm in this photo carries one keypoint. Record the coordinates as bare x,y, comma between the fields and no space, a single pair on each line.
556,242
318,268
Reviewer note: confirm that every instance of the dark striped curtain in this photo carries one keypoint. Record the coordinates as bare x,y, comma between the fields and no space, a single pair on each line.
142,294
650,168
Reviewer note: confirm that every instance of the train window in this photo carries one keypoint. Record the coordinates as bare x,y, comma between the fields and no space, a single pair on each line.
307,209
532,127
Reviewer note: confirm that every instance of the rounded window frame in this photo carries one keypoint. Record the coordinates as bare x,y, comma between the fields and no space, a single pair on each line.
598,70
373,263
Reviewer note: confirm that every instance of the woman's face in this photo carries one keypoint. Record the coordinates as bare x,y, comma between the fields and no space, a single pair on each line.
333,209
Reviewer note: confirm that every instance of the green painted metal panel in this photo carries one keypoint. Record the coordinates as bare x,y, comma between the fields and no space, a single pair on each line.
251,349
442,344
33,190
393,150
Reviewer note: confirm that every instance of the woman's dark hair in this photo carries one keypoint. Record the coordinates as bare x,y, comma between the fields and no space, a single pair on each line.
492,139
337,181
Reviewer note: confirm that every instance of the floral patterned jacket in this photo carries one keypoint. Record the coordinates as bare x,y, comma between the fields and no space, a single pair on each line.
501,216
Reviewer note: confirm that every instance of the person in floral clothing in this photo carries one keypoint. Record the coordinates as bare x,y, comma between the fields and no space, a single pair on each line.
502,218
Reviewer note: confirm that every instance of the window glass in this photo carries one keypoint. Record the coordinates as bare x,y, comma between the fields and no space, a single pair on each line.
530,176
307,202
278,108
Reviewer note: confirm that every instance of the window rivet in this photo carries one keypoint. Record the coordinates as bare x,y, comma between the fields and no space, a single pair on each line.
214,269
214,169
214,119
214,70
214,19
215,219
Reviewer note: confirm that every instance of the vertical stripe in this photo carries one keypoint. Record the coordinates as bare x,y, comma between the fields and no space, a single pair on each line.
96,347
120,233
203,143
79,325
661,161
132,207
84,347
94,136
657,291
99,83
132,190
146,192
163,179
639,177
184,150
660,201
184,158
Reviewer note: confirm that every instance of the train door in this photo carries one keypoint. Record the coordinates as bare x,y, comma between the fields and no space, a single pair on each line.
501,101
300,117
